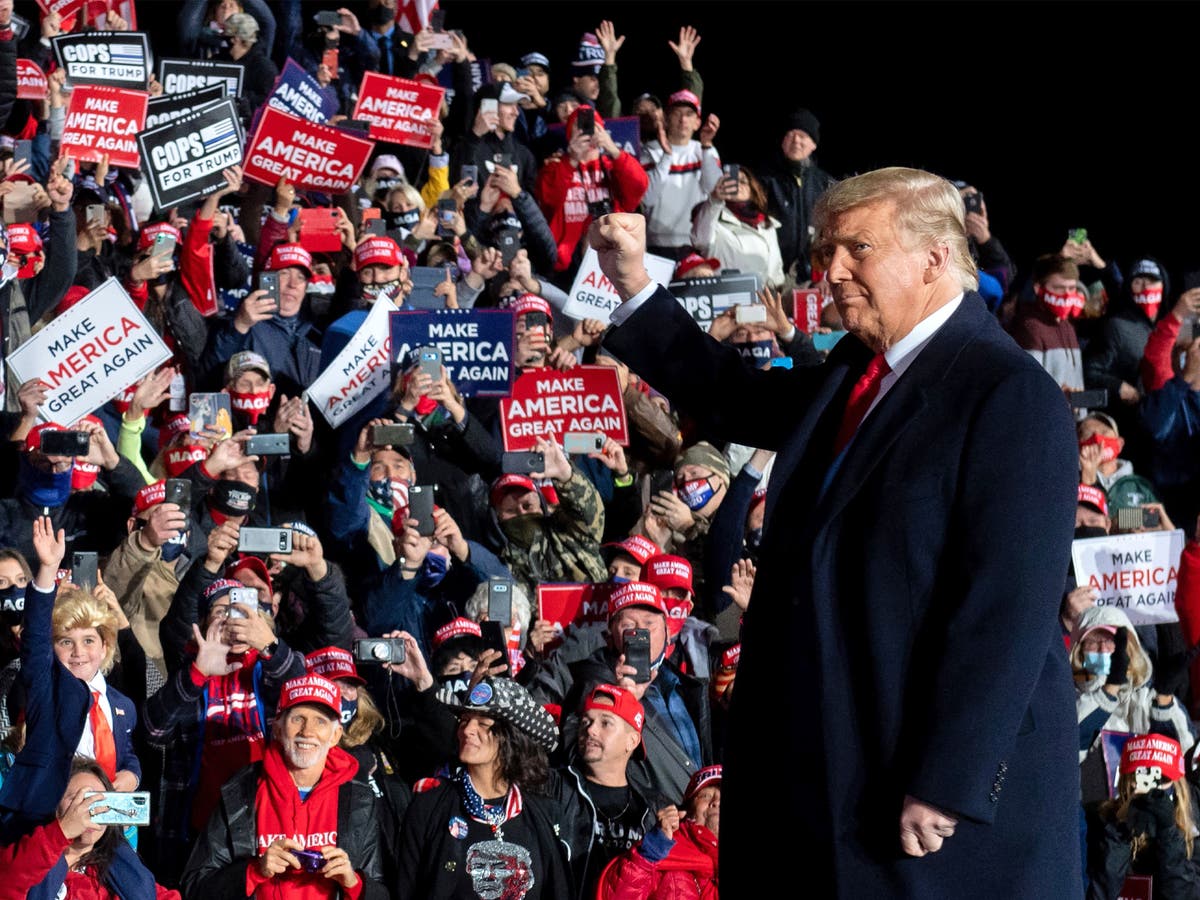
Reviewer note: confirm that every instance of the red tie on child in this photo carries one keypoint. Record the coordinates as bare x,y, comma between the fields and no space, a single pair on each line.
866,389
102,738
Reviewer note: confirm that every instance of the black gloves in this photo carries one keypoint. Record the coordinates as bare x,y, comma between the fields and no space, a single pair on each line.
1118,672
1151,814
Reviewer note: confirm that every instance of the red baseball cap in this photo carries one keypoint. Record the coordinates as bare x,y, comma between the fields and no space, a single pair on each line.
636,593
1153,750
378,251
570,125
73,295
456,628
665,571
24,240
1090,495
255,565
333,663
622,704
700,779
173,428
311,689
151,495
692,260
532,303
33,440
510,482
287,256
685,97
636,547
150,232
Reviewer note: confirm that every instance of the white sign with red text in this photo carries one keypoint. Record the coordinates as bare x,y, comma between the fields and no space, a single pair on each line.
1137,573
360,372
593,296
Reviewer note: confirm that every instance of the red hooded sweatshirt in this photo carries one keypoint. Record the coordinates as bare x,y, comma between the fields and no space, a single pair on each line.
565,189
312,823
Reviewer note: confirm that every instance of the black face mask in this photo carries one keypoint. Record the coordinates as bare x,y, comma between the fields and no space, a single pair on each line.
12,605
1089,531
232,498
381,15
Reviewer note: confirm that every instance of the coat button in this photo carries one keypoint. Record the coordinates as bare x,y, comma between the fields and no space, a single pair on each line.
992,796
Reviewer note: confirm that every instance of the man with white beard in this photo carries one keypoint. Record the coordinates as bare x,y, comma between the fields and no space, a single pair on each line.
297,824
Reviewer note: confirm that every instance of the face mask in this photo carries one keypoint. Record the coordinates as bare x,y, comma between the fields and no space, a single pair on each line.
251,406
434,569
43,488
84,475
407,220
173,549
178,460
1110,446
618,579
372,292
232,498
457,684
1148,301
381,15
1089,531
695,493
12,605
1097,664
349,711
757,353
522,530
1061,306
387,495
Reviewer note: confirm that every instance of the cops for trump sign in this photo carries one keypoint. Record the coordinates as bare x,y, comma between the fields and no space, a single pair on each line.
89,354
185,158
177,76
1137,573
112,58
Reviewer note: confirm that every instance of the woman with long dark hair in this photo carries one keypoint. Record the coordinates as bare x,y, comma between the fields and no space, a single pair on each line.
72,856
486,830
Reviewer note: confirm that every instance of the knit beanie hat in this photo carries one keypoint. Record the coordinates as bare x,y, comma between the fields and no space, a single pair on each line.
805,121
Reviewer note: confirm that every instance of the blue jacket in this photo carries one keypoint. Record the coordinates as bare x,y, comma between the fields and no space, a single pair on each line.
56,713
287,343
1172,417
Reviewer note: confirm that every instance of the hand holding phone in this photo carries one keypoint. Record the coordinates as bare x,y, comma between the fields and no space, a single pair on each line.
637,654
269,282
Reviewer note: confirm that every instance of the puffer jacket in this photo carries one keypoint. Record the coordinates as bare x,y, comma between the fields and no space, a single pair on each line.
1134,708
688,872
753,249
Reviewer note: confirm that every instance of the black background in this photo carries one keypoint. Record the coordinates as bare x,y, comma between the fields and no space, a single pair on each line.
1064,114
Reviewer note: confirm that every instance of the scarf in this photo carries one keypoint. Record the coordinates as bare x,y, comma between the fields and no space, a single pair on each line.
234,725
745,213
493,816
312,823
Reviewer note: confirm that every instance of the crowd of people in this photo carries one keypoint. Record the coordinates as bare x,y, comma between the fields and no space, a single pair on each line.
345,717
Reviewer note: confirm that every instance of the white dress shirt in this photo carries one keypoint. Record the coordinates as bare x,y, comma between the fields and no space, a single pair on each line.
87,741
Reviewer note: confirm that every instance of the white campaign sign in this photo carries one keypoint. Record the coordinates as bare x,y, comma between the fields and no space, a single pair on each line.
592,295
360,372
1137,573
89,354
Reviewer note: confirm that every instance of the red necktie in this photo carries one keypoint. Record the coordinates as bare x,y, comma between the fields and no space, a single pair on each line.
102,738
866,389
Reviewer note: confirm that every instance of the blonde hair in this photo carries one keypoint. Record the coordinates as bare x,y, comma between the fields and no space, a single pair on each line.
929,211
76,608
1126,791
367,722
410,193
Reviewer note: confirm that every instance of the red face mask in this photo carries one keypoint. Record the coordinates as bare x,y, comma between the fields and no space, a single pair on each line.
1062,306
1110,447
250,405
179,459
84,475
1148,301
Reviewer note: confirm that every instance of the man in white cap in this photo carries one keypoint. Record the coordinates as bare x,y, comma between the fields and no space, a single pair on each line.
682,172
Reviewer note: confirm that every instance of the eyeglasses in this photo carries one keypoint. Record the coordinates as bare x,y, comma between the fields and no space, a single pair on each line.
222,612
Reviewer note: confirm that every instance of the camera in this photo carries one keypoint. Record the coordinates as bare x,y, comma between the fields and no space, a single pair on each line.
310,860
379,650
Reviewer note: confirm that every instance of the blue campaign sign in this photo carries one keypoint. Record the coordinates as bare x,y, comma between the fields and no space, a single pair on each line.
300,94
476,345
625,131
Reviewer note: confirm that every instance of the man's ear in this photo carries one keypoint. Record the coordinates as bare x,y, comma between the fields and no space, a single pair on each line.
937,262
270,392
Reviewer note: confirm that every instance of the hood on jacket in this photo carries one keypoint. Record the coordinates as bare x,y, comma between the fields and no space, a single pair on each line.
1139,661
1124,305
